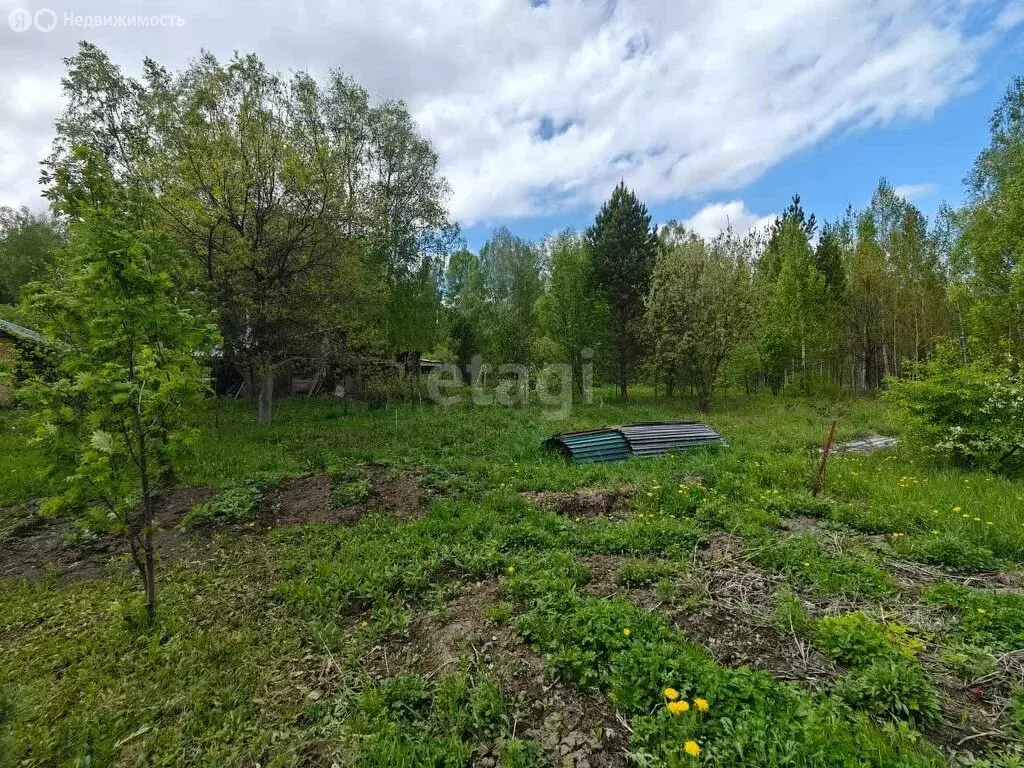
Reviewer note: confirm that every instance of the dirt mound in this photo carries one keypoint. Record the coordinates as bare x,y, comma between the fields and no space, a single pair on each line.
34,547
574,729
585,502
301,500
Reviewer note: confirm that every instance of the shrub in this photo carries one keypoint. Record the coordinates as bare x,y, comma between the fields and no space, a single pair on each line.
893,689
852,639
230,504
947,549
973,415
640,573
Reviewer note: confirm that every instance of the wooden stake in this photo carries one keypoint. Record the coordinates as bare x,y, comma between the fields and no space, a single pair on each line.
819,480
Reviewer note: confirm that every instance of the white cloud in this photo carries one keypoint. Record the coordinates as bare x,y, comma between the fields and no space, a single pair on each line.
678,99
914,191
717,217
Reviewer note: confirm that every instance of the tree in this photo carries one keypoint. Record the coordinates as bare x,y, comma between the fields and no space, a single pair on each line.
128,370
512,282
27,241
993,232
289,196
623,248
701,304
570,311
793,326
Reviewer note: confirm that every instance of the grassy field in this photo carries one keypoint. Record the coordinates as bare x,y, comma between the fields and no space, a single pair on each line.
415,587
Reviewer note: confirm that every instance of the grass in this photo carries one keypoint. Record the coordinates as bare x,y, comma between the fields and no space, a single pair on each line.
259,652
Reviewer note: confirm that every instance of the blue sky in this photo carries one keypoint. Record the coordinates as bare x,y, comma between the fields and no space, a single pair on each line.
713,111
933,152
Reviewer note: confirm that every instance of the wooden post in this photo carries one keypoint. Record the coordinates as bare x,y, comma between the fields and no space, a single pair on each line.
819,480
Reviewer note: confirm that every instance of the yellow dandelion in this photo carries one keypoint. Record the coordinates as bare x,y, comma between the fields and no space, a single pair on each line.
692,748
511,571
627,631
981,610
678,707
364,623
956,509
671,694
701,704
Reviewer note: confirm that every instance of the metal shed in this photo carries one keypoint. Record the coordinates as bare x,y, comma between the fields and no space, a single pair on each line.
618,443
658,438
591,446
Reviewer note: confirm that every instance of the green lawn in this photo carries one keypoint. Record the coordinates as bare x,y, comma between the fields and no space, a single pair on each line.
880,624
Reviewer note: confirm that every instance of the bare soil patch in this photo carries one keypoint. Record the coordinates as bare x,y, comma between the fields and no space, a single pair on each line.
573,729
585,502
35,547
302,500
731,618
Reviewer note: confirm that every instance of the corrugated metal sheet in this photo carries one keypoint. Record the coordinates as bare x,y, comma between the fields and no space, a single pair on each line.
595,445
660,438
22,333
618,443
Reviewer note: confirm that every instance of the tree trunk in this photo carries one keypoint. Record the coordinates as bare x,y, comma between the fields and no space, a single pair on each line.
704,399
266,397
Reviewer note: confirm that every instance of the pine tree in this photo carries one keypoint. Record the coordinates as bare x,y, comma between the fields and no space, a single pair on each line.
623,249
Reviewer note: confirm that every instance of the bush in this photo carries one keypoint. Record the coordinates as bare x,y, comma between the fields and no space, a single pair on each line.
230,504
852,639
893,689
947,549
972,415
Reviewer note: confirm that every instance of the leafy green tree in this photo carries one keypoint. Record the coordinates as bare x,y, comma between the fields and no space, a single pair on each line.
701,304
512,281
128,360
571,311
993,232
623,248
465,302
27,241
792,329
293,199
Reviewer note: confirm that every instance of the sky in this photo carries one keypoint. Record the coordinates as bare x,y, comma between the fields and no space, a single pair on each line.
714,111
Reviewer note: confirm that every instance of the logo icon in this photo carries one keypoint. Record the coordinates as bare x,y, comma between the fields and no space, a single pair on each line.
20,19
46,19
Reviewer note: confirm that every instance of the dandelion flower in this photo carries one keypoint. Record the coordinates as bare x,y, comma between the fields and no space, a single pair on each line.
981,610
364,623
671,694
701,704
627,631
678,707
692,748
511,570
956,509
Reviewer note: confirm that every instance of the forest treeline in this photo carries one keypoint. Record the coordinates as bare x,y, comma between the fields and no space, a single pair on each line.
312,223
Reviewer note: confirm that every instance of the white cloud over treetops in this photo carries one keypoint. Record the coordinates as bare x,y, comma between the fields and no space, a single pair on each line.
536,106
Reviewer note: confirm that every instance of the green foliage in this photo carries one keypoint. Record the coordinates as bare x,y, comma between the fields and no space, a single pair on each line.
570,312
27,242
947,549
128,374
623,248
701,304
972,415
892,688
988,619
349,486
640,573
851,638
408,721
229,505
790,615
807,561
